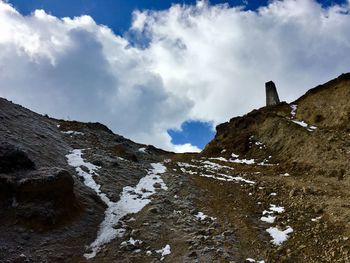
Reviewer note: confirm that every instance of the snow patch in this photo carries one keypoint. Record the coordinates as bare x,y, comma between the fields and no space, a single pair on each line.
75,160
73,132
252,141
279,236
316,219
132,199
214,166
285,174
268,219
219,159
201,216
143,150
294,108
301,123
164,252
186,165
278,209
253,260
244,161
235,159
305,125
131,241
230,178
187,171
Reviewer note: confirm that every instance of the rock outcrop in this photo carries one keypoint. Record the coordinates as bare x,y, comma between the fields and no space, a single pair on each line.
42,198
304,132
271,94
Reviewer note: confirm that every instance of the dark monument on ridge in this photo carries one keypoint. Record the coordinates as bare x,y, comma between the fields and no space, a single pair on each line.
271,94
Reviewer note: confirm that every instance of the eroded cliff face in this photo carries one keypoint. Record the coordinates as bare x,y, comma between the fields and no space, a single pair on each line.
271,187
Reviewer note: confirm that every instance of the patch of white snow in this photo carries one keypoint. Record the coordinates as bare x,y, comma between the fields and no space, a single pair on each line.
73,132
164,252
294,108
143,150
253,260
278,209
305,125
279,236
219,159
316,219
285,174
132,199
201,216
268,219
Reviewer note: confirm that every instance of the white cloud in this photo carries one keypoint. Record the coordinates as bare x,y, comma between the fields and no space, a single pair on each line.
220,57
74,68
187,147
202,62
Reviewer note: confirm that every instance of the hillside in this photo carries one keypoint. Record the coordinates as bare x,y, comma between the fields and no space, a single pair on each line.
272,186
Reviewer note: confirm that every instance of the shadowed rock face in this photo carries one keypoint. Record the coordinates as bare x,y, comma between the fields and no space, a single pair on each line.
53,184
271,94
19,178
13,159
42,197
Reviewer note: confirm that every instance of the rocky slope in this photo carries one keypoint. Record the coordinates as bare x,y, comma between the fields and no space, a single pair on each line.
271,187
43,199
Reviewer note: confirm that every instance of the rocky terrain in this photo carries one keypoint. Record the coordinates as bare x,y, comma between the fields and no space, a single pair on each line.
272,186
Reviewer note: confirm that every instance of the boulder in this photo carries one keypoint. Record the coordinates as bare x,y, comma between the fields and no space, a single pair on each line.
46,183
41,198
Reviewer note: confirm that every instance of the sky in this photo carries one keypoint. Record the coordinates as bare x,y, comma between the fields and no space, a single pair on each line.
116,14
166,72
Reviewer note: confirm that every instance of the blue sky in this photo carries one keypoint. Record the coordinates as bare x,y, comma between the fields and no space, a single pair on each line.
117,15
196,132
114,13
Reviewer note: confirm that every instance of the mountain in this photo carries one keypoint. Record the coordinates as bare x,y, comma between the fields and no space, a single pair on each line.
272,186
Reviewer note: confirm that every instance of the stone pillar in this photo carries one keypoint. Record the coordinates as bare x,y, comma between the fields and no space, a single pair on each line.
271,94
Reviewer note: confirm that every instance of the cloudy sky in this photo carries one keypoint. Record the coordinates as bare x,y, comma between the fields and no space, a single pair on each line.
164,73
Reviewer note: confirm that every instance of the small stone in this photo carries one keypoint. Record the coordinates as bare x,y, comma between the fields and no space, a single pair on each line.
135,232
192,254
228,233
301,247
154,210
157,185
292,193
